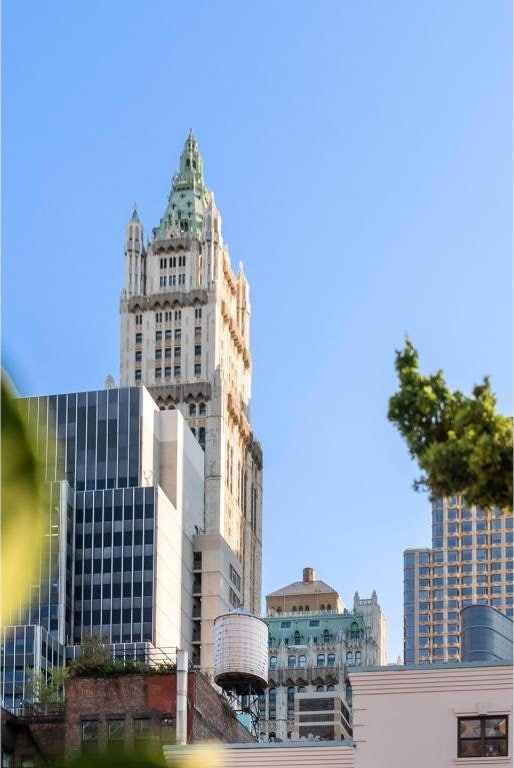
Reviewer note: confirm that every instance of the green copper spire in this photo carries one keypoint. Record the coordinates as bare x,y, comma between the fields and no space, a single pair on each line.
188,197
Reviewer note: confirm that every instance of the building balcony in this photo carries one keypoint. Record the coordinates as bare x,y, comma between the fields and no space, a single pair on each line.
305,675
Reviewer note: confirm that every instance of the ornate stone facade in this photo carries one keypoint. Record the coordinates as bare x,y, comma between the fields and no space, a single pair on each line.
314,643
185,320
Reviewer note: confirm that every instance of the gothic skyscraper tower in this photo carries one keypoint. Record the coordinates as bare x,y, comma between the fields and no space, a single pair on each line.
185,319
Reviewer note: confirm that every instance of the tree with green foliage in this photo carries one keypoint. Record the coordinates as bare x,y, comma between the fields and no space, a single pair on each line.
47,690
462,445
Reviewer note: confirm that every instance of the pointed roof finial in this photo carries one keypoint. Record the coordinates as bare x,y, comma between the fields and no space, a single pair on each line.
135,217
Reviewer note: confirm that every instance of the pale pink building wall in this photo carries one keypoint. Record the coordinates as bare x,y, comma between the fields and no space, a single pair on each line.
407,717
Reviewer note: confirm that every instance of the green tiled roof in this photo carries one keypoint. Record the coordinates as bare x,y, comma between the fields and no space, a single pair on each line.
283,627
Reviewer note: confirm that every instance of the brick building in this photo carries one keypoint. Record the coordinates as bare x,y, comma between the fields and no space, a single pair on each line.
130,712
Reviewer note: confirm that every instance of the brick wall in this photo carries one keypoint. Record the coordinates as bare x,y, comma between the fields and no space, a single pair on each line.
134,697
213,720
40,739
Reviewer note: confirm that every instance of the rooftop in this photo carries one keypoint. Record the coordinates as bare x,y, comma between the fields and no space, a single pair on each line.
309,585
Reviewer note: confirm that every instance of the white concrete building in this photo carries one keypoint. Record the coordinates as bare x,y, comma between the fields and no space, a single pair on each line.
435,716
185,319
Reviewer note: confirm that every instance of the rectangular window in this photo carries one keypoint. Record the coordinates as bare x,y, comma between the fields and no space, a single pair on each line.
483,736
89,734
178,333
139,338
167,335
116,730
137,375
158,354
198,332
198,350
167,371
198,369
176,352
158,335
137,356
167,353
176,370
141,728
158,373
234,600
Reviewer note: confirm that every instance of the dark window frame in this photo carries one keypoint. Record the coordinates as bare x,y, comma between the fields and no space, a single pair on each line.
504,738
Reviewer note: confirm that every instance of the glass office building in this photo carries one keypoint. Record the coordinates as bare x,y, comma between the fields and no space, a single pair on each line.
120,549
470,562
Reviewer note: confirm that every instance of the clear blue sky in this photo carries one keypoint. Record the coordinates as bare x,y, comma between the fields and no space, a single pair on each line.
361,157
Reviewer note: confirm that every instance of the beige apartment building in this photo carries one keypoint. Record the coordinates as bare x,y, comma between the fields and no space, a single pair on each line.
185,334
470,562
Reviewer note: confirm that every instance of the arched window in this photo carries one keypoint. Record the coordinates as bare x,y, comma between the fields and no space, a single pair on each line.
294,608
273,662
331,660
307,609
272,695
279,610
320,689
272,736
354,631
329,607
290,693
349,658
357,657
301,689
322,607
192,409
201,409
291,662
320,662
297,638
302,661
300,608
331,687
193,430
201,436
326,636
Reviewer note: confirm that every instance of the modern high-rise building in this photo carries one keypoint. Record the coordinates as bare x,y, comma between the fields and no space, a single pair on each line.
470,562
125,506
185,334
313,642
